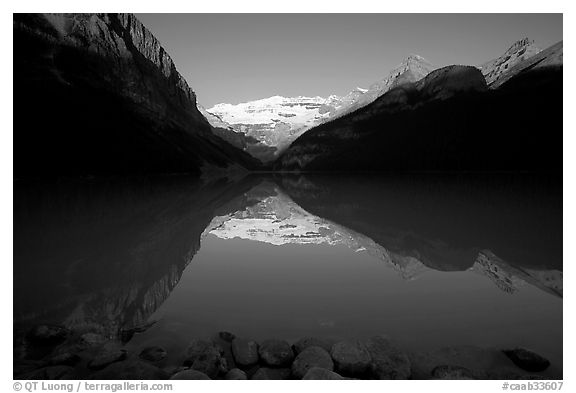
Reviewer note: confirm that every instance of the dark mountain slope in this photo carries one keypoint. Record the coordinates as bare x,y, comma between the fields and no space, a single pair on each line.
97,94
446,121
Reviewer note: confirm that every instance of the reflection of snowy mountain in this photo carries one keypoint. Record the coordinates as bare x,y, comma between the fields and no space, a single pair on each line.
277,219
510,279
274,218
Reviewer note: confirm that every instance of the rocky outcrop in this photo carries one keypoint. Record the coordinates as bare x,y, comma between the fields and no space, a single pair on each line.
535,68
98,94
518,52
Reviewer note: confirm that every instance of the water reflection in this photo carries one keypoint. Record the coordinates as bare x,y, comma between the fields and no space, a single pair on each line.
108,256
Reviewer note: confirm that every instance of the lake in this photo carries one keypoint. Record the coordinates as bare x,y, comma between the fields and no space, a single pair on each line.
432,260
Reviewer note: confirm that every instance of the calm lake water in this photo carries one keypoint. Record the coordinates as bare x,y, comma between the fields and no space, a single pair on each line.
431,260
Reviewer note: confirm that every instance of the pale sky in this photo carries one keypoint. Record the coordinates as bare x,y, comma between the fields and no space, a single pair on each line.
241,57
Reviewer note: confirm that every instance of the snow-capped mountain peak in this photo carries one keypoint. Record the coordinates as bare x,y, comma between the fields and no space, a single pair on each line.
277,121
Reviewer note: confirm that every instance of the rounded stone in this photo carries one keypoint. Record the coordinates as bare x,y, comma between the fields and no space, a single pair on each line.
451,372
245,352
64,359
276,353
189,374
305,342
131,369
235,373
209,362
527,360
350,358
272,373
311,357
107,357
153,354
226,336
388,360
321,373
195,349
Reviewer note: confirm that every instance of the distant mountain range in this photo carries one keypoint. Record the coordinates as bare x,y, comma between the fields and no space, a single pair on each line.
96,94
277,121
265,128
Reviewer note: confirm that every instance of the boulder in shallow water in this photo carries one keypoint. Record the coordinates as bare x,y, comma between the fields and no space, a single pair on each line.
195,349
276,353
226,336
106,357
527,360
153,354
388,360
245,352
209,362
321,373
311,357
63,359
451,372
305,342
189,374
131,369
350,358
482,362
272,373
236,373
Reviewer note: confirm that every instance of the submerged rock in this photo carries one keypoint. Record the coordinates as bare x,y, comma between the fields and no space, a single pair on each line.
195,349
64,359
452,372
226,336
388,360
209,362
107,357
153,354
311,357
527,360
482,362
305,342
350,357
131,369
189,374
236,373
272,373
321,373
245,352
276,353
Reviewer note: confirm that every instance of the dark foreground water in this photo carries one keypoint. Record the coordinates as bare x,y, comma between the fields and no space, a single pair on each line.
430,260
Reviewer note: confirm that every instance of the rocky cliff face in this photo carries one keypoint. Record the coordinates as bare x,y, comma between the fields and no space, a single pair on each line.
548,61
275,122
97,93
519,51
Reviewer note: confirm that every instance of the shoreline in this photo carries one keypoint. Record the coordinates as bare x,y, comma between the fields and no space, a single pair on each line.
51,352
